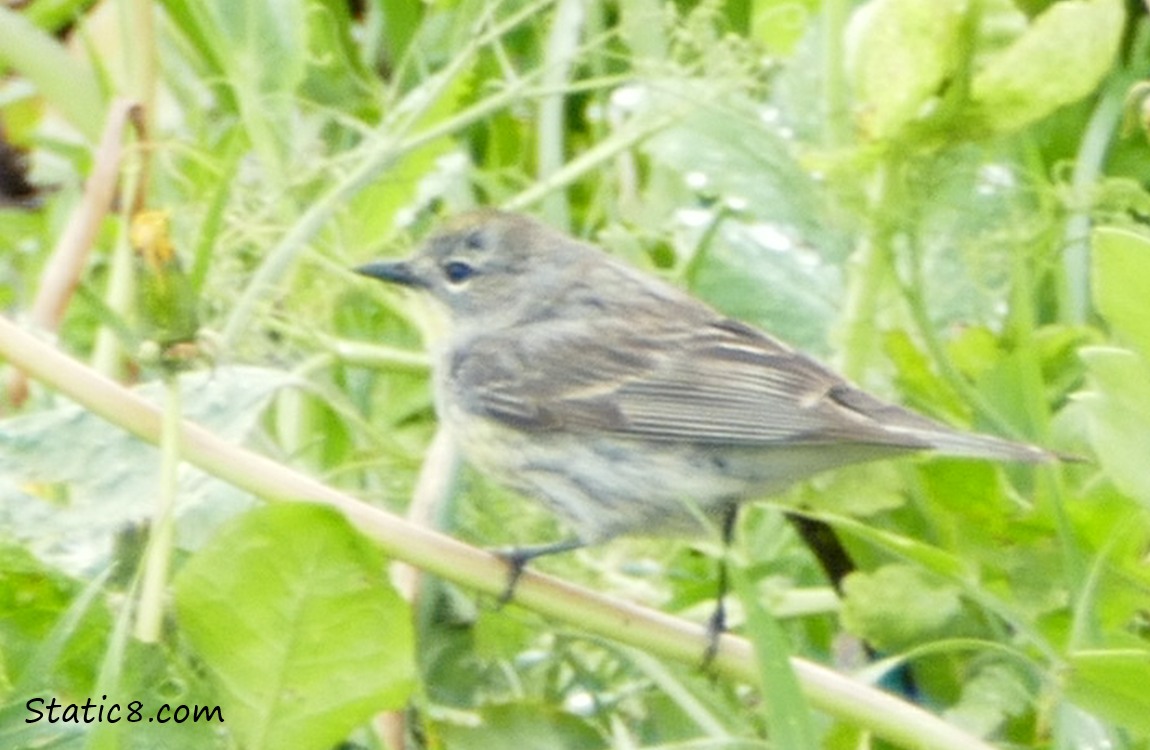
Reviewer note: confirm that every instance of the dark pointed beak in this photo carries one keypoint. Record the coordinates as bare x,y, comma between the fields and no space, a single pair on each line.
394,271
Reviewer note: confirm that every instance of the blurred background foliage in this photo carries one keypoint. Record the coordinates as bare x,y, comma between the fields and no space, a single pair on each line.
946,200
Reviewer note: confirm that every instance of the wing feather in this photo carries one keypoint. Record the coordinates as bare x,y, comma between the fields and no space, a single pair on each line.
715,381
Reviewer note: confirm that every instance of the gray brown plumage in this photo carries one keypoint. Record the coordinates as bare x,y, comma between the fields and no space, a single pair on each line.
620,400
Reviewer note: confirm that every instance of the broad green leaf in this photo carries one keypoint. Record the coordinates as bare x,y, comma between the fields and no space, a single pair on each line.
900,53
731,153
69,481
1121,283
762,274
775,261
1117,405
291,610
1112,685
897,606
994,693
1061,58
974,214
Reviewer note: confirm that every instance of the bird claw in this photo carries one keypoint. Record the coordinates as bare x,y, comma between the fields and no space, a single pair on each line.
517,559
516,563
716,626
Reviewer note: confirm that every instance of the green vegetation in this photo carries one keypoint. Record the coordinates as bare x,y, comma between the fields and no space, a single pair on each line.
945,200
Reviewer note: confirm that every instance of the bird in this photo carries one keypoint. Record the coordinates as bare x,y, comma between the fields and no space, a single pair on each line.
624,404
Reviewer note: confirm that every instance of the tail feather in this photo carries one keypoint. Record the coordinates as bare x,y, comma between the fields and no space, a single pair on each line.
985,446
913,430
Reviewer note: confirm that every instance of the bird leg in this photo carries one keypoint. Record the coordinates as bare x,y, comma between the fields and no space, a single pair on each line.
717,624
517,559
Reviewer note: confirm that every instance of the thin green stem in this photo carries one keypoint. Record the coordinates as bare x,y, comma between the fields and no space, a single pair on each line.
560,53
836,106
912,292
1088,165
158,555
1024,322
869,269
603,151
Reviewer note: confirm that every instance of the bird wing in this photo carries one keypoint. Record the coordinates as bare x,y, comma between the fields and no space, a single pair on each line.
715,381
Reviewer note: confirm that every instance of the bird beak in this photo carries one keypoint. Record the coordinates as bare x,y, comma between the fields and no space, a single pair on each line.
395,272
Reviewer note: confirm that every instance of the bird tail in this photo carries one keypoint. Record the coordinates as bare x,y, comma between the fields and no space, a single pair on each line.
967,445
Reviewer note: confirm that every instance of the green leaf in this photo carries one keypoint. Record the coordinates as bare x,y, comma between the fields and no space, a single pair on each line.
804,288
932,558
68,497
258,50
1121,281
896,606
69,86
993,694
1118,411
789,716
1112,684
402,19
291,610
780,24
781,235
51,627
1061,58
857,491
920,386
335,74
737,157
901,52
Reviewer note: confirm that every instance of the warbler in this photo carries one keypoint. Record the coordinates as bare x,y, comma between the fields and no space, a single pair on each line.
621,402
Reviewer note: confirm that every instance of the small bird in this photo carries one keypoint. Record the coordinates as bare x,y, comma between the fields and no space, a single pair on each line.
624,404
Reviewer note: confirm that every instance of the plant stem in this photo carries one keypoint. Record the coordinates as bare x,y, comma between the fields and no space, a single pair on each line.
869,268
158,555
836,114
561,49
1087,169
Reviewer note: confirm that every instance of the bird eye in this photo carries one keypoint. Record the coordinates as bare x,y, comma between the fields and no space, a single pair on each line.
457,271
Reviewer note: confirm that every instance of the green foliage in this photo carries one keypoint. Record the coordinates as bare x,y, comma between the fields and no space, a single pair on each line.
896,606
286,680
1113,684
904,50
1077,38
937,198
